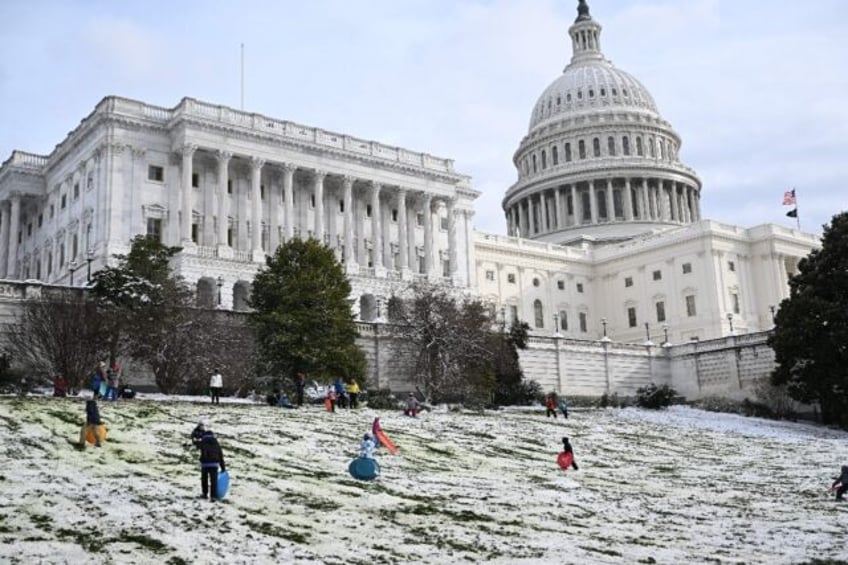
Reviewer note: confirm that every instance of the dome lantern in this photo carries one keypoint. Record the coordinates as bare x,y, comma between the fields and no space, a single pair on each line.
585,36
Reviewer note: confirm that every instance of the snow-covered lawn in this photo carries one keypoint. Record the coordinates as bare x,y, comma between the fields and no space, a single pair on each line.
678,486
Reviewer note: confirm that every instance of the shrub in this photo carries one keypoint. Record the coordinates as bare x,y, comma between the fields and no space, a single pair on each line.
718,404
382,399
655,397
611,401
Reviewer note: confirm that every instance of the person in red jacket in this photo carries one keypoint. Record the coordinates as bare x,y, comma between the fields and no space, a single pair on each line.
551,405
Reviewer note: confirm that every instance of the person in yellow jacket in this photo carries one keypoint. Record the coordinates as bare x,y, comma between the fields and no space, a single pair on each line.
352,390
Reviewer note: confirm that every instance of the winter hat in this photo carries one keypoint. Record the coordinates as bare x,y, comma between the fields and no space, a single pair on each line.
565,440
203,422
366,436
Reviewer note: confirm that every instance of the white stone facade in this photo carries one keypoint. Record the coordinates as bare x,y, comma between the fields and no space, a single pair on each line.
203,177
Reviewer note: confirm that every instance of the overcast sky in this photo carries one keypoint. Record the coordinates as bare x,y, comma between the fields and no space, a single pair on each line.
757,89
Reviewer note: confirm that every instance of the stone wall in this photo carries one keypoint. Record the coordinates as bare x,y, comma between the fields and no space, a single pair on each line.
729,367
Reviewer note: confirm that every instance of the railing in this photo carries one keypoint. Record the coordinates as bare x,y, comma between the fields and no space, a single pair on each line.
528,244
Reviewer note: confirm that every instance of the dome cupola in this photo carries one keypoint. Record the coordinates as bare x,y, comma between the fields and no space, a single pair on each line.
598,159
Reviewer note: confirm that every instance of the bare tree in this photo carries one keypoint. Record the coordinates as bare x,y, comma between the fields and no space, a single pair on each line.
60,332
453,341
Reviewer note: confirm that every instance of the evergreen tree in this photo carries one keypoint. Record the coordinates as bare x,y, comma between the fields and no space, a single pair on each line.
303,318
810,338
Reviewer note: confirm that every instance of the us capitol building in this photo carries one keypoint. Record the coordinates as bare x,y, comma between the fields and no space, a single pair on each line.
604,221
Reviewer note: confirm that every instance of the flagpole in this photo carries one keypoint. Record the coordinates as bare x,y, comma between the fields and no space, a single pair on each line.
797,216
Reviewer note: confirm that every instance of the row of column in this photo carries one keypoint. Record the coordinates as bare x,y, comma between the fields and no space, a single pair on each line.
595,201
383,250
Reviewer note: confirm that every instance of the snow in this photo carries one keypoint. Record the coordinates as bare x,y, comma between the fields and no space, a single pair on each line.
674,486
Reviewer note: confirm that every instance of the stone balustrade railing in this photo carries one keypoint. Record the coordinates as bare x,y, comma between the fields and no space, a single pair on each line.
530,245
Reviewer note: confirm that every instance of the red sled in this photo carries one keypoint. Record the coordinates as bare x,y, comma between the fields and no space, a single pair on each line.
565,459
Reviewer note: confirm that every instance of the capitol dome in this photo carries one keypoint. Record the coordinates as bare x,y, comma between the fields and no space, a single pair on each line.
598,159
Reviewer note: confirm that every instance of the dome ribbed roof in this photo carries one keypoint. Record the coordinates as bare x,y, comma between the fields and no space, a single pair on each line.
590,86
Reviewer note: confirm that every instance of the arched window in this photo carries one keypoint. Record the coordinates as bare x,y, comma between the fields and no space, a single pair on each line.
625,145
639,150
563,320
660,148
544,160
538,314
581,148
568,97
611,145
567,152
534,163
596,147
554,156
651,147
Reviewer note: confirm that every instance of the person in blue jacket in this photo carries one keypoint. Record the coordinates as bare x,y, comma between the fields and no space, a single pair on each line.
341,393
366,447
211,457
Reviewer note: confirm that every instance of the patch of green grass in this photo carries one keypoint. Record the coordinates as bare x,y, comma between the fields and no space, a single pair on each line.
91,541
276,531
42,521
144,541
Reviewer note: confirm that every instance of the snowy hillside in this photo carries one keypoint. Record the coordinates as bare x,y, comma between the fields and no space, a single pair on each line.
679,486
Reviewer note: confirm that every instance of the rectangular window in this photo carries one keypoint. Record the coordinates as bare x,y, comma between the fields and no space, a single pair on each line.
230,237
195,180
561,285
628,282
155,173
734,298
49,264
443,223
74,246
312,203
394,215
490,275
661,311
583,324
341,206
690,306
64,201
731,266
89,183
687,268
229,186
76,190
631,316
419,219
195,234
563,320
62,254
40,220
52,211
657,275
367,210
154,228
579,287
568,152
513,313
510,278
262,192
29,229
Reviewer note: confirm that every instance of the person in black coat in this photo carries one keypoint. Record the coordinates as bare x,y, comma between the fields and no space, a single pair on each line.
92,422
566,448
842,481
197,433
211,457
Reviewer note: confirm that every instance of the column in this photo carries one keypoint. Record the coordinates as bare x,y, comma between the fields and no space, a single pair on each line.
403,239
318,193
288,199
593,205
411,223
4,238
256,209
610,202
185,225
428,235
665,212
14,226
557,209
223,197
627,200
451,237
519,223
347,187
575,205
783,279
543,213
646,199
273,213
376,235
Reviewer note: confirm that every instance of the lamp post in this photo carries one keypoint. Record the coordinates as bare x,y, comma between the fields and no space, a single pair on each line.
220,282
648,341
556,324
89,256
772,308
72,266
730,321
604,323
665,333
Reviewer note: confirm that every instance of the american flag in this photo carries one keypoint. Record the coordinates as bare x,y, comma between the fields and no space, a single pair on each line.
789,198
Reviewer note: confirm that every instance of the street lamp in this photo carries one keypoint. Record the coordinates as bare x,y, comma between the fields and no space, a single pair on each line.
605,339
220,282
556,325
772,308
648,342
72,266
665,332
730,321
89,256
